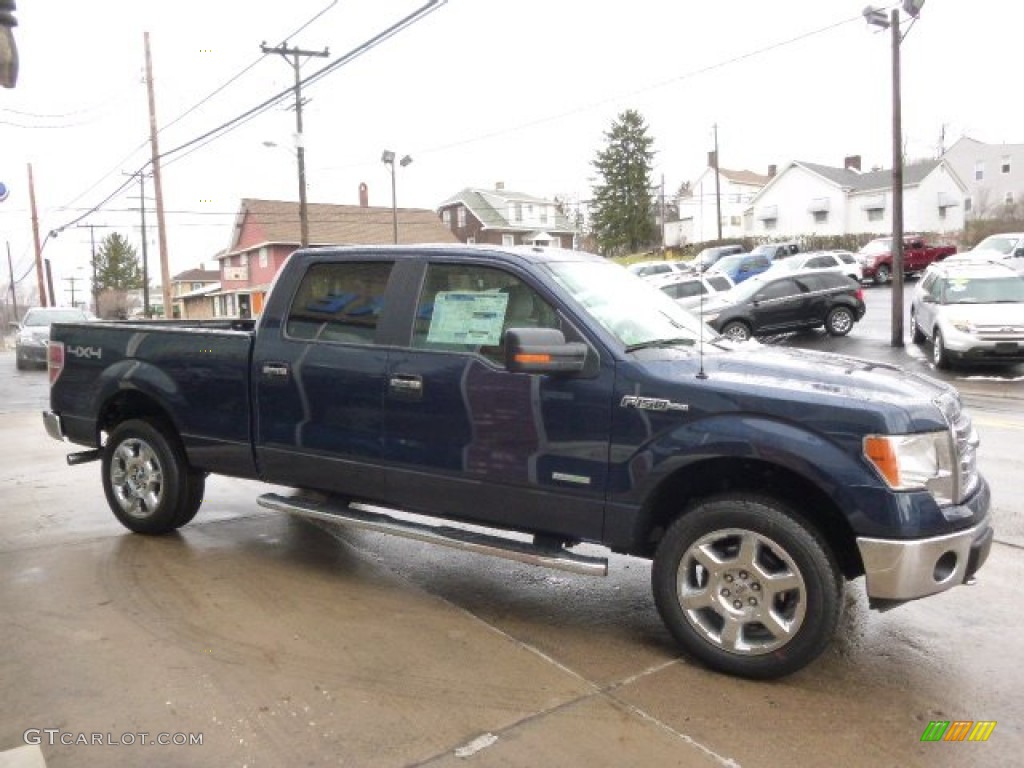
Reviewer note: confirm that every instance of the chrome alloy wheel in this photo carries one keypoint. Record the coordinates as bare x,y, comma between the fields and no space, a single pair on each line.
136,478
741,591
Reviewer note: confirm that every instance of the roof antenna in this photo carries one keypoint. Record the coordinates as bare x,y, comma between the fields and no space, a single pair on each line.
700,329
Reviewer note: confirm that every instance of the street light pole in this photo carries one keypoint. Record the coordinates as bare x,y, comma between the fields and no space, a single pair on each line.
388,158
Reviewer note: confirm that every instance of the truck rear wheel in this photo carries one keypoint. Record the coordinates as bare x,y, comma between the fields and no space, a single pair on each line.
746,587
147,481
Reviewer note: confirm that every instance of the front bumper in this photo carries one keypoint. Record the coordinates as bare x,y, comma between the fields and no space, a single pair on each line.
905,570
31,353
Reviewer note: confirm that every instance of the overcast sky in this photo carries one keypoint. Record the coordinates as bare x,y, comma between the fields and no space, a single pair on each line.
479,91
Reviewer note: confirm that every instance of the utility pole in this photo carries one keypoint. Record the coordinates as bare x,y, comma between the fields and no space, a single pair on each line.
145,246
72,280
718,189
14,292
897,187
300,150
35,237
165,271
663,215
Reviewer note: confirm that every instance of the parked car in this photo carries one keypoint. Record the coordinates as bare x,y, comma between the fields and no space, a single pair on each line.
777,250
707,257
690,291
741,266
658,268
877,261
1008,246
843,262
769,304
971,312
34,333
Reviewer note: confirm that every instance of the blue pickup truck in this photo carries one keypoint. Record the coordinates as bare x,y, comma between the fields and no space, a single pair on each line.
552,399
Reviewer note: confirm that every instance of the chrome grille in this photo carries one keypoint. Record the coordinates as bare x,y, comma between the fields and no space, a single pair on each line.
999,332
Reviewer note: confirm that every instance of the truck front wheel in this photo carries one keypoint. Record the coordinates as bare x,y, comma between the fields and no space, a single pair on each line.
147,481
746,587
882,275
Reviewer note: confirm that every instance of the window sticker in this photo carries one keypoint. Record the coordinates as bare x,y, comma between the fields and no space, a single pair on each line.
957,286
466,317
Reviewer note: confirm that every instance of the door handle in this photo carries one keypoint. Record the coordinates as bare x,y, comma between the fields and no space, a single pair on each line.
406,383
275,370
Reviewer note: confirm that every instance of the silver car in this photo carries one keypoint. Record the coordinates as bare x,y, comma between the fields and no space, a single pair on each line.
690,291
971,312
34,333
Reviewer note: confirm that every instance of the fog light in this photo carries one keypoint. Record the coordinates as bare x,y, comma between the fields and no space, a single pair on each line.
945,566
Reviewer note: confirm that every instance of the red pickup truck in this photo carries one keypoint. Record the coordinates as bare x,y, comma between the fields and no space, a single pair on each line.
876,257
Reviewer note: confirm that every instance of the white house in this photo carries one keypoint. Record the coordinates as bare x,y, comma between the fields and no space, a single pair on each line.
697,210
993,173
810,199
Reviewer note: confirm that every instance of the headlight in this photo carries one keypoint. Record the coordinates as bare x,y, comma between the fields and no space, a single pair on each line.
28,340
962,324
914,462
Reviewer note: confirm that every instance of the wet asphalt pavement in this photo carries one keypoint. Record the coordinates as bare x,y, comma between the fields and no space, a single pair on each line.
286,643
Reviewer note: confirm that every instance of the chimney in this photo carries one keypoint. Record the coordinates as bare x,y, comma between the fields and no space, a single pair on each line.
852,163
499,185
772,170
364,195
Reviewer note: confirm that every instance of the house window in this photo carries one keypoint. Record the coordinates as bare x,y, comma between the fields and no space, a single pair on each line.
821,217
942,211
446,217
967,205
243,259
264,257
462,217
1004,166
519,212
734,221
979,171
876,214
543,214
508,240
529,212
770,223
196,286
470,241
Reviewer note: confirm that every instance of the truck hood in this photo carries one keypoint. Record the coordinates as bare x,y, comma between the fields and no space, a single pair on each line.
902,400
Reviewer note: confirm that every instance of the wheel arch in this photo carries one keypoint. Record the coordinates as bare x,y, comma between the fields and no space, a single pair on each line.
740,475
128,404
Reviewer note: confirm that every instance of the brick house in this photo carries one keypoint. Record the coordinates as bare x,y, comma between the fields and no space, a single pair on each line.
500,217
266,232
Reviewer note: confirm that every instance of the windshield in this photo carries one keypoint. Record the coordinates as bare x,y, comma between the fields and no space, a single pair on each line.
984,290
883,245
728,262
1003,245
39,318
629,308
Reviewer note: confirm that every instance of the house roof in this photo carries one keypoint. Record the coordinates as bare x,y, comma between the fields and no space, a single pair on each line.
745,177
489,205
277,221
855,181
197,276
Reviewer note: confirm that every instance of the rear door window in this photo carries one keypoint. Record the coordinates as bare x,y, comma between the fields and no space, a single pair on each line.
340,302
719,283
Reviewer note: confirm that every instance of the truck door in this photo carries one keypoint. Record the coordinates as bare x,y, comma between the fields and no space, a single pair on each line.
319,380
463,434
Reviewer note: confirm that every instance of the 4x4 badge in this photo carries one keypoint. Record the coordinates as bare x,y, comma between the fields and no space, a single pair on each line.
651,404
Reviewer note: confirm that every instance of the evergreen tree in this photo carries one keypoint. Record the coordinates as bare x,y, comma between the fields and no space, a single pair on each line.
623,209
117,265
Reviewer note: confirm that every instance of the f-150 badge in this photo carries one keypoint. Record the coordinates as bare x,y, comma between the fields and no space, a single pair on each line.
651,404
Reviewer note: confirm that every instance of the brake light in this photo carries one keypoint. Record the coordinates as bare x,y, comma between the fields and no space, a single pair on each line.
55,360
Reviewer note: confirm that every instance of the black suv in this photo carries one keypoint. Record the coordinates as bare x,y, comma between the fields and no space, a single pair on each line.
764,305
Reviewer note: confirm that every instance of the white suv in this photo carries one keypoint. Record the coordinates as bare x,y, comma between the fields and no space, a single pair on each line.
972,312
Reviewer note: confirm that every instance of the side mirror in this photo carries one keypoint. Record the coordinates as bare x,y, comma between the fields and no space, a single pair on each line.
15,326
928,299
1018,253
542,350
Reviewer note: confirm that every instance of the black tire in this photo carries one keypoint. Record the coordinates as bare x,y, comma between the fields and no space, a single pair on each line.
940,357
146,479
916,334
839,321
19,363
883,275
736,330
716,609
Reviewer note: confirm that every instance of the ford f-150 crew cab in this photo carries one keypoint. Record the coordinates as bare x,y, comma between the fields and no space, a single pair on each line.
552,399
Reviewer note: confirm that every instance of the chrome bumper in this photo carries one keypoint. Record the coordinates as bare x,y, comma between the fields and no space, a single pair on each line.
905,570
53,426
